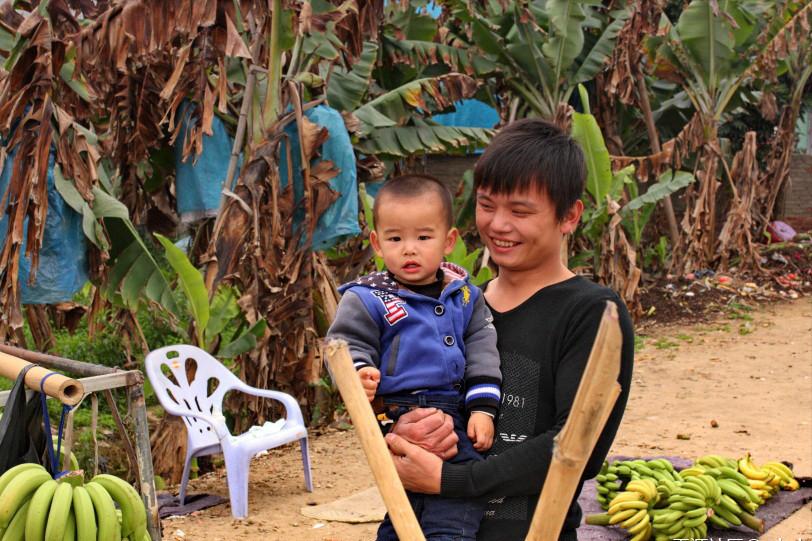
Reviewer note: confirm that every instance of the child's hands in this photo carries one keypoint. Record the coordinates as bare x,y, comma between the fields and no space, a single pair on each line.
370,377
480,430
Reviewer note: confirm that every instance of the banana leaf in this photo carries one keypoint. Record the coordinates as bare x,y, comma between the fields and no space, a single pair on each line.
708,35
596,58
245,342
566,22
587,133
425,138
668,183
133,270
346,89
191,282
426,53
428,95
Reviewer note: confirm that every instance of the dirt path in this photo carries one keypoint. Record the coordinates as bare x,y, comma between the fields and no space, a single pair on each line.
752,374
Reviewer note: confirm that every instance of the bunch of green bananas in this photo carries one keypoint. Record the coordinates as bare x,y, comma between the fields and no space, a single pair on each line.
613,477
608,483
34,507
630,509
690,504
738,500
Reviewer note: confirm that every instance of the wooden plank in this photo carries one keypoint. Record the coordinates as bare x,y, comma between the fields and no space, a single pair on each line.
375,448
112,381
144,459
99,383
594,400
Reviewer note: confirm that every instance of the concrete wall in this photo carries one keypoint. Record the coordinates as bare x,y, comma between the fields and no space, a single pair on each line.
796,201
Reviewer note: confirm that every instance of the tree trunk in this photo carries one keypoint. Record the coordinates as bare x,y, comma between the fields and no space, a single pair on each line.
169,449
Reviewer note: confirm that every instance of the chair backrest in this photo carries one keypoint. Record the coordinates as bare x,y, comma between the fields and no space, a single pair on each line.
179,393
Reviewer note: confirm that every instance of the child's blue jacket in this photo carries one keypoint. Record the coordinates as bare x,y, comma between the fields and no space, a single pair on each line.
420,344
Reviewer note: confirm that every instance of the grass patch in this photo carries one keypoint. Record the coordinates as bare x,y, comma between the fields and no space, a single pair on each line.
639,342
665,343
737,310
685,337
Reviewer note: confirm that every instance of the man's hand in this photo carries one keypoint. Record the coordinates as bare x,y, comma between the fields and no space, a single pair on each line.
370,377
429,428
419,470
480,430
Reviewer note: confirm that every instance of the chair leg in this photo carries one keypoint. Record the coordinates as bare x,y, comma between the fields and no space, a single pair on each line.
185,479
306,463
237,471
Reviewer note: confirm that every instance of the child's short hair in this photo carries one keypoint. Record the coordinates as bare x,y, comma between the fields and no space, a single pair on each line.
533,153
413,185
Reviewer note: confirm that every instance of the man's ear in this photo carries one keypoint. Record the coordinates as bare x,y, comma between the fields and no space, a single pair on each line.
572,218
451,240
375,242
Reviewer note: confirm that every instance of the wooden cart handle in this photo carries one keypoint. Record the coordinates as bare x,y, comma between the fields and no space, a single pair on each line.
367,429
67,390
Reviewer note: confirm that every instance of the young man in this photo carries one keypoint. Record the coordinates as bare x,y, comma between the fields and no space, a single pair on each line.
528,184
420,335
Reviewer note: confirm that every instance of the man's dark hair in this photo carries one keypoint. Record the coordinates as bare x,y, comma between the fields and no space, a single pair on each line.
533,154
414,185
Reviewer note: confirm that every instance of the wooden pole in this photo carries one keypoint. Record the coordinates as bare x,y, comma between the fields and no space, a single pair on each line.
77,368
144,460
67,390
368,431
573,446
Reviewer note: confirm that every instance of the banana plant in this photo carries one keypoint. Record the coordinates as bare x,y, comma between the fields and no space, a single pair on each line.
606,190
391,95
710,51
218,323
539,51
468,260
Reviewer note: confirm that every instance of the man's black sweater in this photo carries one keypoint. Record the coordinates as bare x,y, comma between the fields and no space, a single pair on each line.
544,345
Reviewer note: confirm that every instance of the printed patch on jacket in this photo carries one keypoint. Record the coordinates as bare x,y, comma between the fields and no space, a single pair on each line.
466,295
395,306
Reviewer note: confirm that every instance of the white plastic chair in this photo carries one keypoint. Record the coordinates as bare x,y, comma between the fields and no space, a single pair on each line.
205,425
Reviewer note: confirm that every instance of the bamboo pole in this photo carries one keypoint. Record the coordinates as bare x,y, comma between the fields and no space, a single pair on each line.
596,396
78,368
367,430
67,390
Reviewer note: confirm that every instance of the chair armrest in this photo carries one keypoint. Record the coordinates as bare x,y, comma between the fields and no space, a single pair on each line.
218,425
292,410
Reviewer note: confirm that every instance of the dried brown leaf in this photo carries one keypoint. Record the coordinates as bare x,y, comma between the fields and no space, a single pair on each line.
235,46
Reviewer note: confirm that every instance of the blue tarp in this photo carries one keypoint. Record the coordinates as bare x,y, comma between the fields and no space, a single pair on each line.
62,269
199,180
340,221
198,183
469,114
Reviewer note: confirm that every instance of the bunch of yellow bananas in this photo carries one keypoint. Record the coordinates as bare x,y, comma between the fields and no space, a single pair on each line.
630,509
768,479
34,507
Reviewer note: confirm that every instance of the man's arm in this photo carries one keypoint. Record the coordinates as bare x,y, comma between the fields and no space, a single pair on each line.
520,471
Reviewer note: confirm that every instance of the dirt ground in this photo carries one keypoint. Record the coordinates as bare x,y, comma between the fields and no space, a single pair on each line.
751,374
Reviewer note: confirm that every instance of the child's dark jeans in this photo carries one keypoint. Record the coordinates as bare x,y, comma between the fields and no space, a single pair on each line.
441,519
